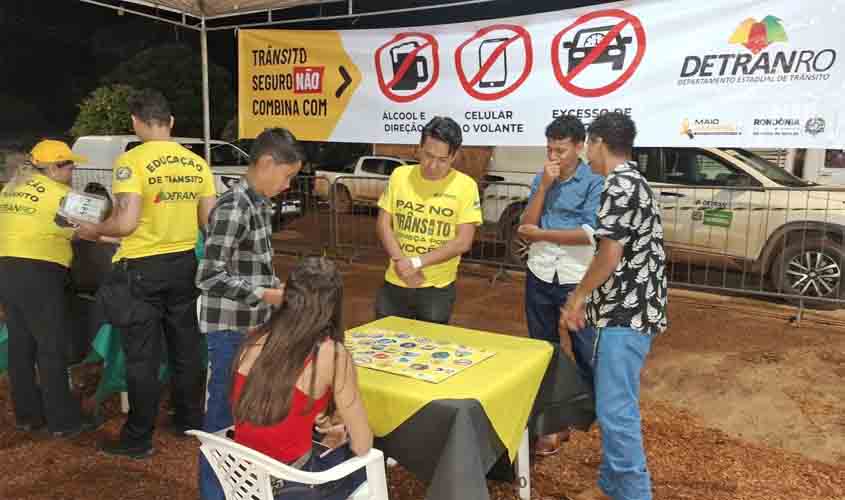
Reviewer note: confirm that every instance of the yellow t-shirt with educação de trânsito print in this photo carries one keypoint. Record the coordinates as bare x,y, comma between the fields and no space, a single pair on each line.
171,180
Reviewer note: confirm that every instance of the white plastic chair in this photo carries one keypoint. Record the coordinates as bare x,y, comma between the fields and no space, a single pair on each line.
523,468
245,473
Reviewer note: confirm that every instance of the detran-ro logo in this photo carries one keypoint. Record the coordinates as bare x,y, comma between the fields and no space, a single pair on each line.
756,36
763,57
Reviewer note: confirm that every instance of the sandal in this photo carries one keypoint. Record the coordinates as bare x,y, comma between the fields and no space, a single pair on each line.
547,445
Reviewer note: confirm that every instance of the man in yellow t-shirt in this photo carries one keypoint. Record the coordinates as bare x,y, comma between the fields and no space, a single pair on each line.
163,195
427,219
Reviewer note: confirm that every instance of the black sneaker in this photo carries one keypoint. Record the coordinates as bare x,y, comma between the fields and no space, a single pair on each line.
126,449
178,426
178,430
29,427
89,423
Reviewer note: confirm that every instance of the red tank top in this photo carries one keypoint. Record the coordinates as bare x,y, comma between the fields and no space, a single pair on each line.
287,440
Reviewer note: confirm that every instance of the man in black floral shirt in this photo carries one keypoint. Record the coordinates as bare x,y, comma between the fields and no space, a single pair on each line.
623,296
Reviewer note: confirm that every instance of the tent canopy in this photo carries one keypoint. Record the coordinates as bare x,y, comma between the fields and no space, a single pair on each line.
194,14
211,9
214,15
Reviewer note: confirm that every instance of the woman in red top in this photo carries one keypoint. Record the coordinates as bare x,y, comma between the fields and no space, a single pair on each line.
294,373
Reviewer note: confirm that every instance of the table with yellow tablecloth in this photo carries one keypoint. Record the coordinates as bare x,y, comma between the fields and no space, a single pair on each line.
453,432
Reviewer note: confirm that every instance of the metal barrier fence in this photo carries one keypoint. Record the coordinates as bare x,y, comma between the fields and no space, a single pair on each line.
354,202
787,243
775,242
496,240
85,177
354,208
303,222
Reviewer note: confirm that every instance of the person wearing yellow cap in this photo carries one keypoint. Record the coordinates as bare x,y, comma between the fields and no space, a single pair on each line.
163,195
35,254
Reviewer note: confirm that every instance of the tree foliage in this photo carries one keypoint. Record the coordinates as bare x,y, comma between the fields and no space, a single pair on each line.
104,112
176,71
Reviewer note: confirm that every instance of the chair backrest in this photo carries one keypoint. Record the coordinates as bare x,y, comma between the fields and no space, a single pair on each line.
238,468
245,474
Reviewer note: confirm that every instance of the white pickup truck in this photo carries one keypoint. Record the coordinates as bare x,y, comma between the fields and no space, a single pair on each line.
360,183
503,191
732,209
730,206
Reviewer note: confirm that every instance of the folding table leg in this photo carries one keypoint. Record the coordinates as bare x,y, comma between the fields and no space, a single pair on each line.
523,460
124,402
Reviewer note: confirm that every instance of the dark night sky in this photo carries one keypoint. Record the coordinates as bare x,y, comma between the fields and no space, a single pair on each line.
54,52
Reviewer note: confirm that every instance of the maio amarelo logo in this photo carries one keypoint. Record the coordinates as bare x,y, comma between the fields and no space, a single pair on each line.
756,36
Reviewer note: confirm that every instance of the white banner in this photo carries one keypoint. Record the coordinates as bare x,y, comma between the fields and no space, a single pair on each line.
749,73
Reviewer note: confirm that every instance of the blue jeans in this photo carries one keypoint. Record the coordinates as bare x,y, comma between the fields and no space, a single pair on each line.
623,474
222,348
542,312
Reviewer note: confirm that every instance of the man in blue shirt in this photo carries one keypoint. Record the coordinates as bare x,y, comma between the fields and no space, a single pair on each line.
559,221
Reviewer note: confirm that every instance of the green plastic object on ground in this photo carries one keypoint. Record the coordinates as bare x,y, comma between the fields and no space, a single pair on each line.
108,348
4,348
199,249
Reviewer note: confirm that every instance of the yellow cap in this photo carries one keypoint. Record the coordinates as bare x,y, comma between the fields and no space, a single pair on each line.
50,151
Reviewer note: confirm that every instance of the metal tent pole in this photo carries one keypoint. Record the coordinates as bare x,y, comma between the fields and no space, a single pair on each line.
206,106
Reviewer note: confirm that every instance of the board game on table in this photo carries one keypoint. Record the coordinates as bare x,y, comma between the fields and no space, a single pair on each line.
401,353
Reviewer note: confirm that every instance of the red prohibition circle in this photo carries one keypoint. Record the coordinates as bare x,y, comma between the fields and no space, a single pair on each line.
469,84
565,80
435,74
